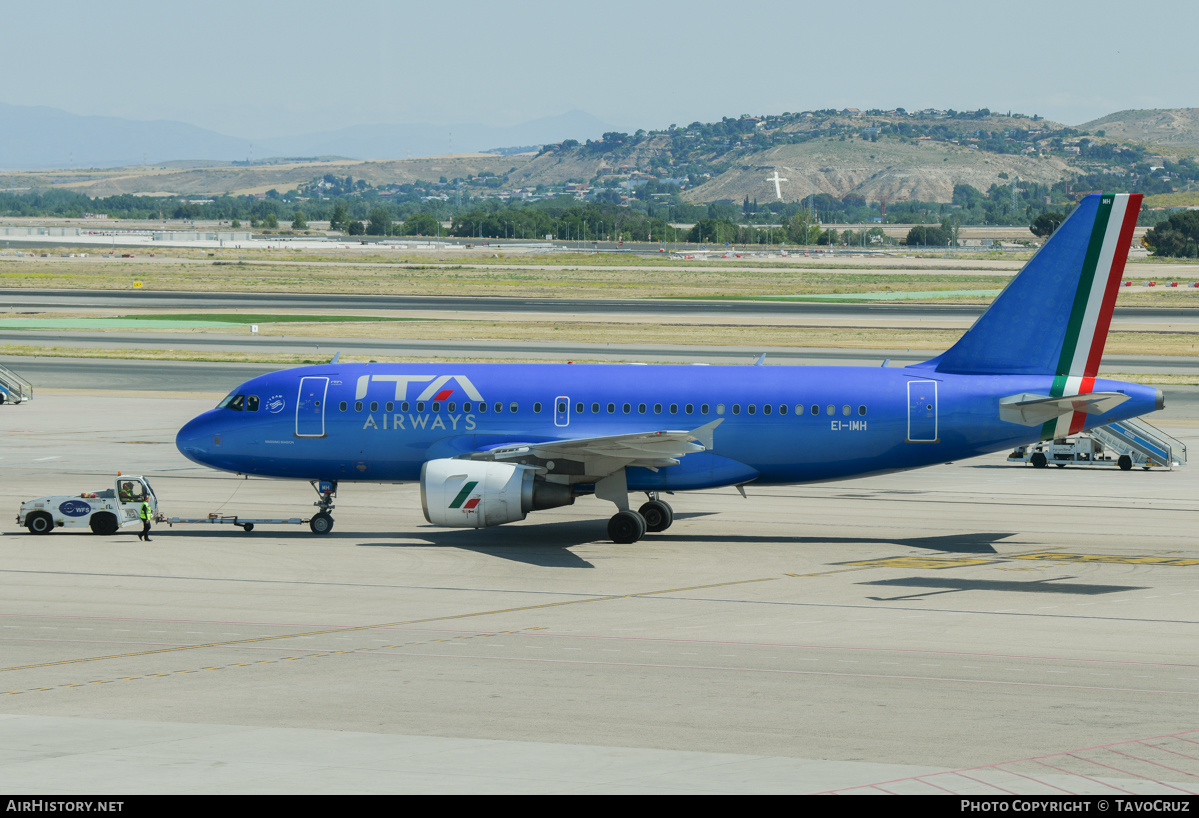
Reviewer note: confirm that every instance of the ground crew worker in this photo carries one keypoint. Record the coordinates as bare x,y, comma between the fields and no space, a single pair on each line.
145,515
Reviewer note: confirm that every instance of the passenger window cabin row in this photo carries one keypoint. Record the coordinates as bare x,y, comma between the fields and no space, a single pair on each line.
580,408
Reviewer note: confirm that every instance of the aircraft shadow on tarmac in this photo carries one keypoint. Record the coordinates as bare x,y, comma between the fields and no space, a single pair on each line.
548,544
949,585
545,545
979,543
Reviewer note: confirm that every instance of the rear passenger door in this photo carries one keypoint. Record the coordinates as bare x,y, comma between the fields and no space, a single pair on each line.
922,411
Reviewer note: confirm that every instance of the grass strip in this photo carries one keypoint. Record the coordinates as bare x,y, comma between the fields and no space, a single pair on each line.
264,318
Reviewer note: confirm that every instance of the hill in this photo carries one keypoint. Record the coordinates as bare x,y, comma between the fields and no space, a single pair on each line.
1158,127
884,171
38,137
852,156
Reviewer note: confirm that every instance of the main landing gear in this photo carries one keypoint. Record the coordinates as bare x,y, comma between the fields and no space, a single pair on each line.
322,521
628,526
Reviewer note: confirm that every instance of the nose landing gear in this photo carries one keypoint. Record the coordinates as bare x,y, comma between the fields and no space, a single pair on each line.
322,521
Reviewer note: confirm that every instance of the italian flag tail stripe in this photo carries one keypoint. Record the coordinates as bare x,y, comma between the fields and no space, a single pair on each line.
1094,300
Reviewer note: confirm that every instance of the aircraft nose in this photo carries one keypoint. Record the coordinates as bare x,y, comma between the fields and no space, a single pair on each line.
197,438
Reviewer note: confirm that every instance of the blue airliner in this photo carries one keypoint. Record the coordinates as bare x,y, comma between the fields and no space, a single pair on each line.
491,442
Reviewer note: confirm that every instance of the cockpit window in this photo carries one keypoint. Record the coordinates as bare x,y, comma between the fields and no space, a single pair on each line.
251,403
234,402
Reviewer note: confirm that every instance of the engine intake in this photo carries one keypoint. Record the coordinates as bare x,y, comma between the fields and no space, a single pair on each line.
477,494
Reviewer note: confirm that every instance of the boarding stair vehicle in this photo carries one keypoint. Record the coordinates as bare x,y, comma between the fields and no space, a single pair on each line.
1124,443
105,511
14,388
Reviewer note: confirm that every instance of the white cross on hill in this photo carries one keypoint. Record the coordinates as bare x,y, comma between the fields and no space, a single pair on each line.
778,191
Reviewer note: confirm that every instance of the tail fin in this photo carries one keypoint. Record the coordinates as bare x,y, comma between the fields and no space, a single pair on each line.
1052,319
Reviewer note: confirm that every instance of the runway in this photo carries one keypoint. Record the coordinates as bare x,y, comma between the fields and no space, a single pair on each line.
862,636
31,299
115,375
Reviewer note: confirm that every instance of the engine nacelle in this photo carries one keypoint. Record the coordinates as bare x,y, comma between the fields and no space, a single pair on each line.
477,493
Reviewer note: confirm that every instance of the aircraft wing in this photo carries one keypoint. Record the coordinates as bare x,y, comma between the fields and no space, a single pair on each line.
603,455
1032,410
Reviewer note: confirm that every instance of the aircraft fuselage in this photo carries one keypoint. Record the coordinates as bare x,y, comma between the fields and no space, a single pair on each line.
780,424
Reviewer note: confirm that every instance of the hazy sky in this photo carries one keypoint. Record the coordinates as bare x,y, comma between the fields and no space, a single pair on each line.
262,68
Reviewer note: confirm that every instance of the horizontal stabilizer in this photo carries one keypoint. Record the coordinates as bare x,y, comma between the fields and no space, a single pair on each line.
1033,410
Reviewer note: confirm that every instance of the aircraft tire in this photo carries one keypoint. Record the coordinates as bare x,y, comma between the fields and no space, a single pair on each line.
1124,462
626,527
39,523
658,515
321,523
1038,460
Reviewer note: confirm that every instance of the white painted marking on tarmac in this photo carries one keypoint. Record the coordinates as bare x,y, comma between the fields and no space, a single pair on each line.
52,457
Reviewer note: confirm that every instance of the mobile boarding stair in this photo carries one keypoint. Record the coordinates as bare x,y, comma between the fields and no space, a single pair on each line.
14,388
1125,444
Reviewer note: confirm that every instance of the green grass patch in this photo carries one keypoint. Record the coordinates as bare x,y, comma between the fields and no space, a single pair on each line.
264,318
852,297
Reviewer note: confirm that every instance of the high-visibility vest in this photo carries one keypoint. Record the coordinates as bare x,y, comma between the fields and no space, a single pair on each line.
145,511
